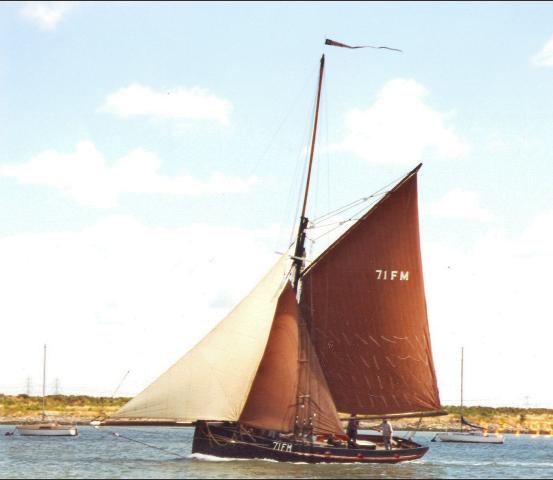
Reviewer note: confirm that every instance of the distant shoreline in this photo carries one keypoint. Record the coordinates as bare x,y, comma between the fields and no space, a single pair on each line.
81,422
82,409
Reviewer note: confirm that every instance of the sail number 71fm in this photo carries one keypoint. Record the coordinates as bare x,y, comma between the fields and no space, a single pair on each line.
392,275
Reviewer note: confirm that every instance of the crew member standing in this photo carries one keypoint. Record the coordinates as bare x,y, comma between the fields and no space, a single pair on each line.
387,431
353,425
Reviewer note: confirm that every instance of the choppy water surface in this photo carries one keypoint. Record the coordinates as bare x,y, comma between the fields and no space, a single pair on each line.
100,454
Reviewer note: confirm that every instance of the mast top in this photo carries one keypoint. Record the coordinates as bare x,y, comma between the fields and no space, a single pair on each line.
300,241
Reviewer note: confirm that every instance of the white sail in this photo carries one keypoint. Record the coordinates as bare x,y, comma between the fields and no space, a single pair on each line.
212,381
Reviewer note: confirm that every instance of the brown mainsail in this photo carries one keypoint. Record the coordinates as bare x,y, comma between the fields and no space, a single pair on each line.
365,305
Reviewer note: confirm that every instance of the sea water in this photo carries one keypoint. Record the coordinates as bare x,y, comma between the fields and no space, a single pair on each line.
98,453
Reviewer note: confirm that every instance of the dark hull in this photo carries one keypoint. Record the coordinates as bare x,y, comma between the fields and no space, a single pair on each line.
231,441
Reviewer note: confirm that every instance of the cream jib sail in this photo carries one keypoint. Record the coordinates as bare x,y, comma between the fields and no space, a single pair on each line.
213,380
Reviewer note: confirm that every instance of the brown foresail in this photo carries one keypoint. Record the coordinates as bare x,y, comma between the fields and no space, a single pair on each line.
273,401
319,408
365,305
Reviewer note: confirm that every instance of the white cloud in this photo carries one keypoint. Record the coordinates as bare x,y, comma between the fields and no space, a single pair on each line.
119,296
180,103
47,15
503,144
544,58
86,177
399,128
494,299
460,204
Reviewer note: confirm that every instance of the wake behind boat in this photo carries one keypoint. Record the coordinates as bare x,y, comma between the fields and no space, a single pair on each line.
347,334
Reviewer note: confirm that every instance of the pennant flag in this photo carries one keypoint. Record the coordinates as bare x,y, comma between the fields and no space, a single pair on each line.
338,44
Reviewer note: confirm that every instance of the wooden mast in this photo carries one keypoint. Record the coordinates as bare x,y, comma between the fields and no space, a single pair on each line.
299,254
303,426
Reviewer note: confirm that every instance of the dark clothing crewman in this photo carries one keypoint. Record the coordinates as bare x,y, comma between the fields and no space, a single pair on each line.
353,425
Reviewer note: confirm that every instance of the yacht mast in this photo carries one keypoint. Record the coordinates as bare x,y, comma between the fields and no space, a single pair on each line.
462,361
44,385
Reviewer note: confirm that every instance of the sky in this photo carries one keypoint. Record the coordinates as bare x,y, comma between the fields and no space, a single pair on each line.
152,156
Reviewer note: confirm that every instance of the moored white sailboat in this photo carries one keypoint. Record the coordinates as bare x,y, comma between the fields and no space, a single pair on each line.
469,437
475,434
45,428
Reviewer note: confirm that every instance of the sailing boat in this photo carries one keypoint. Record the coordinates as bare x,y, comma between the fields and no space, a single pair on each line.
347,334
475,434
44,427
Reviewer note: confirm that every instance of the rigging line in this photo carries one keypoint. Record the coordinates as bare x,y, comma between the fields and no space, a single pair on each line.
102,412
328,216
297,201
386,188
340,223
301,155
339,210
353,218
364,209
327,151
119,435
284,120
412,433
381,191
322,161
120,383
331,224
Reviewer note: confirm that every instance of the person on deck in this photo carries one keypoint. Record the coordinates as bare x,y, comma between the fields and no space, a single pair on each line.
387,431
353,425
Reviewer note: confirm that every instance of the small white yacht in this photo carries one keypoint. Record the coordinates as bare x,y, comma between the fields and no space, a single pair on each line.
47,429
475,434
469,437
44,427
